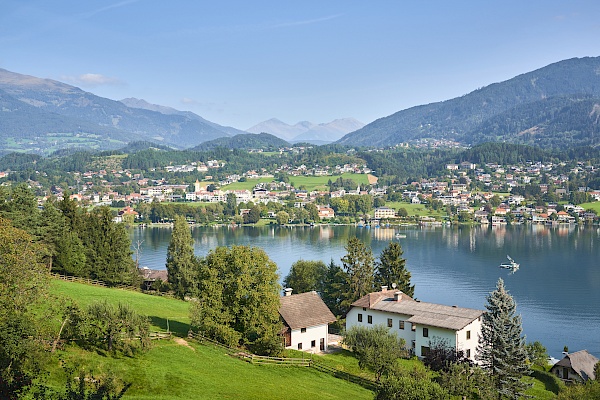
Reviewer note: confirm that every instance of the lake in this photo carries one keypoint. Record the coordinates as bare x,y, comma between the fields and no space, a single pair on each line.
557,288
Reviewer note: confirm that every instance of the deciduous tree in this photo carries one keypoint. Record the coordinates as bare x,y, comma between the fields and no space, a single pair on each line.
305,276
375,347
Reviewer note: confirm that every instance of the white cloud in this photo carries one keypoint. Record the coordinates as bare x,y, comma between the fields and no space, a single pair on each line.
92,80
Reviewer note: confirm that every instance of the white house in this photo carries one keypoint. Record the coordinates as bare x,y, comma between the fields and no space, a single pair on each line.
418,323
305,318
578,367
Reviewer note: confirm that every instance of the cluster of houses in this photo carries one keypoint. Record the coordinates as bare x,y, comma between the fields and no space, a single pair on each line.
306,318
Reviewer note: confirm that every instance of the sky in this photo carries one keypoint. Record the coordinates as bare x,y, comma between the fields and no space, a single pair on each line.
238,63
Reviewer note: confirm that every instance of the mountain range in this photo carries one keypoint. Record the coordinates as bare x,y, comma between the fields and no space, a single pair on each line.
557,105
554,106
305,131
47,112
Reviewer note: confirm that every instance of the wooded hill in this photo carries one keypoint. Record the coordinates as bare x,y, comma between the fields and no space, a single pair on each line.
554,106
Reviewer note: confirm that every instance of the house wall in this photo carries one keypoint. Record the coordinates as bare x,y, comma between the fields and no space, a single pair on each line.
315,333
415,339
380,318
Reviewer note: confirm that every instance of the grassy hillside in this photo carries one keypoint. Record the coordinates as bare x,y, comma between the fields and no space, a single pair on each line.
176,369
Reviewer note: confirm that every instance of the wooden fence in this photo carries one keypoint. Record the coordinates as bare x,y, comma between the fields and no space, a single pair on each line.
94,282
287,361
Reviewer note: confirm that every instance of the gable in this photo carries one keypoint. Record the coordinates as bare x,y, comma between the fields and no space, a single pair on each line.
304,310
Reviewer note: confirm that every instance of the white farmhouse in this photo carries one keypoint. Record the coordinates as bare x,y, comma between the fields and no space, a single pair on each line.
306,318
418,323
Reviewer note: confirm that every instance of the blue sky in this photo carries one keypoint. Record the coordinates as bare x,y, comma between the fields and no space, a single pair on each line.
238,63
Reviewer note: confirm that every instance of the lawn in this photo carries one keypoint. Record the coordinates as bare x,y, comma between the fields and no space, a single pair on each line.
172,370
418,210
591,206
308,183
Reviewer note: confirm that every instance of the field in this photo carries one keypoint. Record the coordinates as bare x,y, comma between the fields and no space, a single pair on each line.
185,370
181,369
592,206
308,183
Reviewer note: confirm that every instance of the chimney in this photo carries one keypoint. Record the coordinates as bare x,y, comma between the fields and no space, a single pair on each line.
397,295
384,288
288,292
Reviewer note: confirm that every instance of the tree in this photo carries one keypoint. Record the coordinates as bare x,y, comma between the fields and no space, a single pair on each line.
115,328
467,381
501,348
537,354
313,212
181,261
441,356
253,215
375,347
391,268
359,266
282,217
108,248
231,207
305,276
23,288
238,299
399,384
334,286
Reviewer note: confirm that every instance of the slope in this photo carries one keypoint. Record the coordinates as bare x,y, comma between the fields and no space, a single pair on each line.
454,119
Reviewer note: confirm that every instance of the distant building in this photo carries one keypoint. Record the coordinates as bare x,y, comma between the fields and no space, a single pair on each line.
385,213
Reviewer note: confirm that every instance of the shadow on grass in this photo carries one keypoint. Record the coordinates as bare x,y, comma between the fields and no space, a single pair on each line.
178,328
551,383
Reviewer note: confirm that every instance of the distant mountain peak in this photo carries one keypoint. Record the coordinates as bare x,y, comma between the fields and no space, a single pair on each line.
308,131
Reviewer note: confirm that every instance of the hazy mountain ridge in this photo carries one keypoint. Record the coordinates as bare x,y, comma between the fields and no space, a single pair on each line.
97,114
462,118
305,131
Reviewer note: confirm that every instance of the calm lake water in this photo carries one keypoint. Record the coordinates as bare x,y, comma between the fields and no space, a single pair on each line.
557,288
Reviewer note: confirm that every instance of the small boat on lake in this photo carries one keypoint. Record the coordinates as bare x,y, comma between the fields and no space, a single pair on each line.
511,264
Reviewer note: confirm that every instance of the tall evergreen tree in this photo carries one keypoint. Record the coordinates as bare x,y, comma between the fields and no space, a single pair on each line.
501,348
358,263
181,261
391,268
334,285
108,248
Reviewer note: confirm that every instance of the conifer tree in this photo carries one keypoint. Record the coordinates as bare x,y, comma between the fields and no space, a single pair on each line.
501,348
358,263
181,261
391,268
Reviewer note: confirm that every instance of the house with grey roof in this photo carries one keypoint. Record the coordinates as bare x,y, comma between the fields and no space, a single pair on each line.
306,319
418,323
575,367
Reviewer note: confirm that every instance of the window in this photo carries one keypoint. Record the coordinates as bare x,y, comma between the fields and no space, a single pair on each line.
299,346
413,327
364,308
369,319
302,330
424,351
468,335
401,324
359,317
425,332
389,322
468,353
313,343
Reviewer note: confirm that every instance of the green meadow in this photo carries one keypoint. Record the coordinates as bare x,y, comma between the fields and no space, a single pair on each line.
181,369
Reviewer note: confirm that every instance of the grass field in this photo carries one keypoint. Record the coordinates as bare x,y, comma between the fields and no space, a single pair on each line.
310,183
418,210
178,371
592,206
